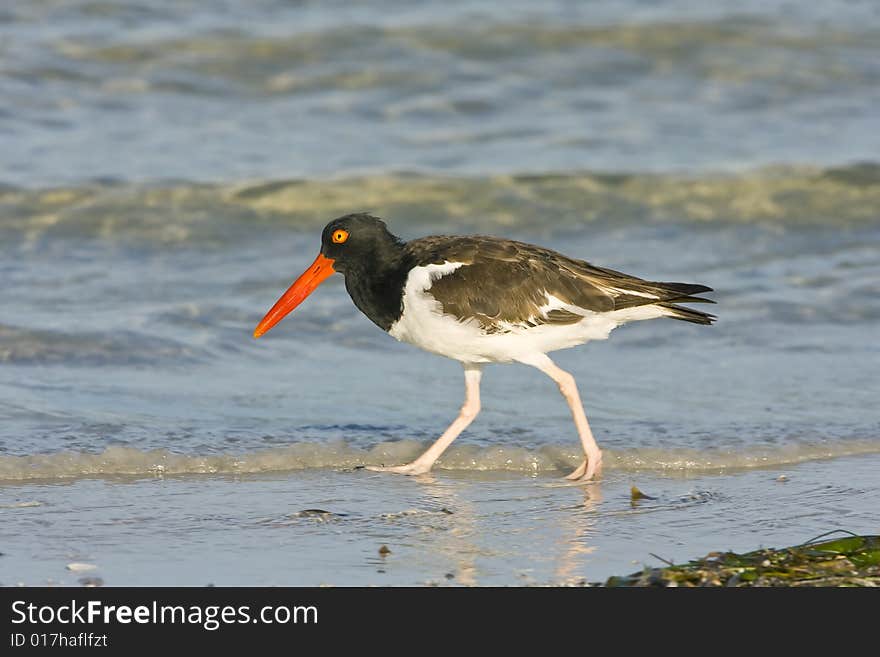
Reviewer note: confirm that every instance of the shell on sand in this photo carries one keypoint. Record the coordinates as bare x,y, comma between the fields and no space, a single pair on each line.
81,567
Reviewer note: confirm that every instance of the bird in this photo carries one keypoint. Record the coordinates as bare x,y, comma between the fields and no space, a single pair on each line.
481,299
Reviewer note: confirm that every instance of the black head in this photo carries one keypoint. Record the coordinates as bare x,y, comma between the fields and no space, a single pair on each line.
356,241
359,247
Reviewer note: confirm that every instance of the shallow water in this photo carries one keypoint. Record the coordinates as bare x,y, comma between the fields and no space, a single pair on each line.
458,528
165,171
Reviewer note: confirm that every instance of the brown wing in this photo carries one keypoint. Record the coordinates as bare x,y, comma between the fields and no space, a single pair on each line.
508,282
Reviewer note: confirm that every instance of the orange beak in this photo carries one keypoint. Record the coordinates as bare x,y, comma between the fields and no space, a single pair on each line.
321,269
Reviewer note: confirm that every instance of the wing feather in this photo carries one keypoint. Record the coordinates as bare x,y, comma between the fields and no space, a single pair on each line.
503,283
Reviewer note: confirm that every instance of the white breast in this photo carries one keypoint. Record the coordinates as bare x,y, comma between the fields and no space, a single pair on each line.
423,323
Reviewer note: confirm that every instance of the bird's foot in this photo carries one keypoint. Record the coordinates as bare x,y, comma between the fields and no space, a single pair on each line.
587,470
413,468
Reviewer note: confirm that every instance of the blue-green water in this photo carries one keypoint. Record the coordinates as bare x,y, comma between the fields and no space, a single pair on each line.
166,167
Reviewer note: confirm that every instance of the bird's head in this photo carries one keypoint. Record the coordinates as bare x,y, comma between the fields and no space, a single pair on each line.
355,240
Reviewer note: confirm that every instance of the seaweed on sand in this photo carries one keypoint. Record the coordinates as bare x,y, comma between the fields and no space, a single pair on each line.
849,561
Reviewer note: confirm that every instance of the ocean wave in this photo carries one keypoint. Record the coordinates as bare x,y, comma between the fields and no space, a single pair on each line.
732,49
182,212
129,461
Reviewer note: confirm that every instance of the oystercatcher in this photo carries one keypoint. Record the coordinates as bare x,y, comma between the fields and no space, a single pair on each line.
481,300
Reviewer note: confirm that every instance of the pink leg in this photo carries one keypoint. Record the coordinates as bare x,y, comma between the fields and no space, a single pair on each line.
592,464
469,410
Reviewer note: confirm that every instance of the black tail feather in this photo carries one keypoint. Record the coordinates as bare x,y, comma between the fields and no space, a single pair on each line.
687,289
689,300
688,314
685,293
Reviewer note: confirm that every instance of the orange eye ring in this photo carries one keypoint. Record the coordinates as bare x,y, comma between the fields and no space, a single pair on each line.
339,236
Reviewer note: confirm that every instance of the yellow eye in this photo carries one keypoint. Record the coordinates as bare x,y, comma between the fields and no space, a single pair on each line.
339,236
